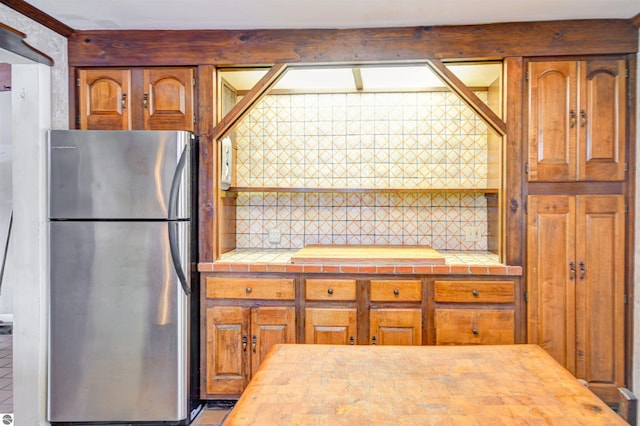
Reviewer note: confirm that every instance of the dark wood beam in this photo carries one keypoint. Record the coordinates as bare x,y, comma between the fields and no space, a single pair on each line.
470,98
636,20
39,16
492,41
253,96
13,41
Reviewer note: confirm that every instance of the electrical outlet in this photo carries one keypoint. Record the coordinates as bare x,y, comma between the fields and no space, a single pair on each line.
274,236
472,234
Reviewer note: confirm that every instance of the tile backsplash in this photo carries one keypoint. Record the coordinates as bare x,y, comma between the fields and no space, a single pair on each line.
421,140
436,220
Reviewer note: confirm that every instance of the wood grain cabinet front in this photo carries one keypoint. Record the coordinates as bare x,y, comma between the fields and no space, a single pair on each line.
474,312
238,339
577,120
395,317
331,315
251,288
136,99
576,284
243,318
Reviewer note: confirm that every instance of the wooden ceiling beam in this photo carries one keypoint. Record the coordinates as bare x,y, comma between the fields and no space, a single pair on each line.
636,20
255,47
39,16
250,99
12,40
470,98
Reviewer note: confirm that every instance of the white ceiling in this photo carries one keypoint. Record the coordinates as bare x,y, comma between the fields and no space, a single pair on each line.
268,14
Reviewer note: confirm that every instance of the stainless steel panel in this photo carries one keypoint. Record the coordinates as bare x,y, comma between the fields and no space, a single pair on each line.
116,174
118,323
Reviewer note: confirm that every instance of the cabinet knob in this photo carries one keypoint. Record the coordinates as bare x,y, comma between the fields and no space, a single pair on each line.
572,118
244,343
396,291
374,341
476,293
352,341
254,341
123,101
330,291
145,101
475,331
248,290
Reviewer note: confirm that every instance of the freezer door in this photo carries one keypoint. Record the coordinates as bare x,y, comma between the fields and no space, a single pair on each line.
118,323
119,174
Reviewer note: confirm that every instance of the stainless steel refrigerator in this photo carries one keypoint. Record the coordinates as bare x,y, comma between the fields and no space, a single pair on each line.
123,303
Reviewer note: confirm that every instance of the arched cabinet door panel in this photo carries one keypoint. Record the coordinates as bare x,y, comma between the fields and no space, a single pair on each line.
576,120
136,98
104,99
168,99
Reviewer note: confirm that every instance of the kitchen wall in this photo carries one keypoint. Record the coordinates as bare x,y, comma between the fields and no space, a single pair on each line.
6,205
382,141
39,102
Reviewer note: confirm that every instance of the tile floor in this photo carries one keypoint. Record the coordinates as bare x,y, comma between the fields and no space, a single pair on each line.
6,374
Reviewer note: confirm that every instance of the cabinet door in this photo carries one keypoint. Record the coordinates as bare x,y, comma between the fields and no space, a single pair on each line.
601,151
600,309
393,326
553,121
226,350
331,326
104,99
168,99
551,275
270,326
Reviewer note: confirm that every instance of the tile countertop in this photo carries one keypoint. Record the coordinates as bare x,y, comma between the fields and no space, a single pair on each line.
456,262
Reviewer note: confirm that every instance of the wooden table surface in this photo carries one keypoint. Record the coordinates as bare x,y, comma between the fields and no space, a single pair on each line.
416,385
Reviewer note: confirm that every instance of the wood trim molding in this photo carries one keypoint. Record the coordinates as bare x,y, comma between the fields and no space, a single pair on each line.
39,16
224,48
253,96
636,20
470,98
13,41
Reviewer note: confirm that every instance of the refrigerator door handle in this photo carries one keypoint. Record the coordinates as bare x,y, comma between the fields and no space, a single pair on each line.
175,257
173,207
175,185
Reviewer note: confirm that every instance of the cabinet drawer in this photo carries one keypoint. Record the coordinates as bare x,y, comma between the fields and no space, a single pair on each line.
474,291
330,289
396,291
251,288
474,327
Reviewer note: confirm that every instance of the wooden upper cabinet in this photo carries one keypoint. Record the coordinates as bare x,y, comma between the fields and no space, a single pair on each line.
168,98
601,155
576,121
136,98
104,99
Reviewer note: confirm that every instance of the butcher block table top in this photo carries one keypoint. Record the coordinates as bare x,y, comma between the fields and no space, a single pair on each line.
368,254
416,385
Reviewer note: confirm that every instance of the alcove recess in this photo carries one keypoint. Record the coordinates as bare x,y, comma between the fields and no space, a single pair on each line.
398,134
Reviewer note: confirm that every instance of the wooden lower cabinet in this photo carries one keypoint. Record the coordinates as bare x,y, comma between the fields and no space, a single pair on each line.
474,312
330,326
238,339
396,326
576,311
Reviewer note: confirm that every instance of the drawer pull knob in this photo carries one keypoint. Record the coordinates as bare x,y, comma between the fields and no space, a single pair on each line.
330,291
352,341
374,341
476,293
396,291
248,290
475,331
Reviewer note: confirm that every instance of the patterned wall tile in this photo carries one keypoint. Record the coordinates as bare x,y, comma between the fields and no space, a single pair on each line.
376,141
